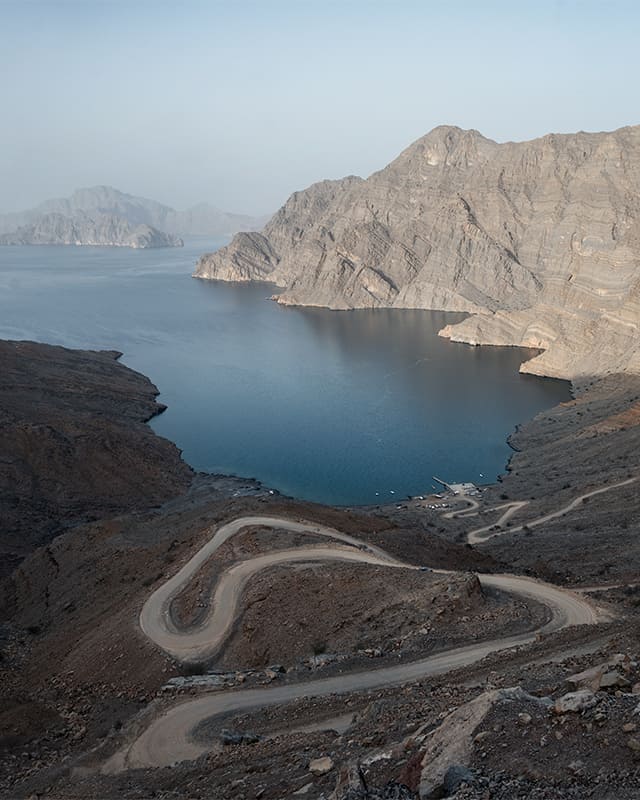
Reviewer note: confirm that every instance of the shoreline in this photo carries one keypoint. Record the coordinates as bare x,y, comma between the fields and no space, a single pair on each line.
73,602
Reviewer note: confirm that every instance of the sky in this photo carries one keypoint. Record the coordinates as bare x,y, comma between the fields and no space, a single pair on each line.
241,102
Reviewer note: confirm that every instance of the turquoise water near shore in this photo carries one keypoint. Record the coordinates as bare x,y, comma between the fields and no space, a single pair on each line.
337,407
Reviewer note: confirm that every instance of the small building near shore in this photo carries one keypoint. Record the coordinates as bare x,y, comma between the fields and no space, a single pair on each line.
464,488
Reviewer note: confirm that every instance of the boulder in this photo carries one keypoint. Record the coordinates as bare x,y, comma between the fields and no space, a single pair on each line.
575,702
320,766
451,744
602,676
633,744
238,737
454,777
589,678
613,678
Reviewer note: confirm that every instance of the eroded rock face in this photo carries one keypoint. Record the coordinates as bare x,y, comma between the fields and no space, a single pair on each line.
539,241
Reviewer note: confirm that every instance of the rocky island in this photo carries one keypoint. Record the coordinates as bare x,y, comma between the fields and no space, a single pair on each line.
104,216
103,230
538,241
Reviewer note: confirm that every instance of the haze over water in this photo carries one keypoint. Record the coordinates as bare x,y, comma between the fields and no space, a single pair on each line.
337,407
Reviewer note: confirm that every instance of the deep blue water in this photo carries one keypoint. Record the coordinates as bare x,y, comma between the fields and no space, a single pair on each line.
338,407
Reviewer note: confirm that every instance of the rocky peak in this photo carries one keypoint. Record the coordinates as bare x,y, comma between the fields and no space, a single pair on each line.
540,240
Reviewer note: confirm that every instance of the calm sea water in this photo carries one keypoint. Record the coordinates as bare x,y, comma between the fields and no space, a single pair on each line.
338,407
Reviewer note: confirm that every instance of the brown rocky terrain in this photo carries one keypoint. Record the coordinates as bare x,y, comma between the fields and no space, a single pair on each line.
522,745
74,445
348,611
78,675
73,665
539,241
589,442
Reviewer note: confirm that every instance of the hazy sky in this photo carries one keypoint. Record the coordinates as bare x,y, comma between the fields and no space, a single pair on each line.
240,102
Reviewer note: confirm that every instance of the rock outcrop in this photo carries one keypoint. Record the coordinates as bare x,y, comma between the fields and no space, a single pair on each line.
452,742
74,446
539,241
107,230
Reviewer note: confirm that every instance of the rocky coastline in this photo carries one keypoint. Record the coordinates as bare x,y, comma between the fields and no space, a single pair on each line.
73,427
538,241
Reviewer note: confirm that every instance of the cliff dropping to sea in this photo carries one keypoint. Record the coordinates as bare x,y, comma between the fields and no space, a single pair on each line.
539,241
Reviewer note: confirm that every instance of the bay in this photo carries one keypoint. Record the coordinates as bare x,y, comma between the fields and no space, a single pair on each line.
337,407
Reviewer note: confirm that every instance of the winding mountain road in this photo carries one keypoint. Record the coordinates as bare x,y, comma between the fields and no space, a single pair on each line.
476,536
169,738
195,644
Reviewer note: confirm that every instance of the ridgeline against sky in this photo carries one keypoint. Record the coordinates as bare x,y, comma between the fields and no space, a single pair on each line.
240,103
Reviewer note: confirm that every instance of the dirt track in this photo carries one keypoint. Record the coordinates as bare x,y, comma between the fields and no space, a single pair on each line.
168,739
194,644
476,537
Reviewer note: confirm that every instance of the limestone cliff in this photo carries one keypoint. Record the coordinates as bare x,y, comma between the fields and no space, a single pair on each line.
81,229
538,240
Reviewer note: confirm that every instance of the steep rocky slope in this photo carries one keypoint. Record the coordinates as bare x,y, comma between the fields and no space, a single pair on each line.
81,229
73,444
589,442
76,672
539,241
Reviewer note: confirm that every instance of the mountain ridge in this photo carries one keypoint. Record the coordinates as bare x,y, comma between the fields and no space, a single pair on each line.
201,219
101,230
538,241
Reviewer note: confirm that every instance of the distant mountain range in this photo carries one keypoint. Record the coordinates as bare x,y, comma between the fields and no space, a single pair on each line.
105,230
102,215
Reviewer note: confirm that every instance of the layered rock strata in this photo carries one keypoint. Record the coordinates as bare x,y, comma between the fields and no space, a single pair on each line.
539,241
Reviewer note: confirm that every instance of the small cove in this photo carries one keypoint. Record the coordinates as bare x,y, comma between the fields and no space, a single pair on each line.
336,407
